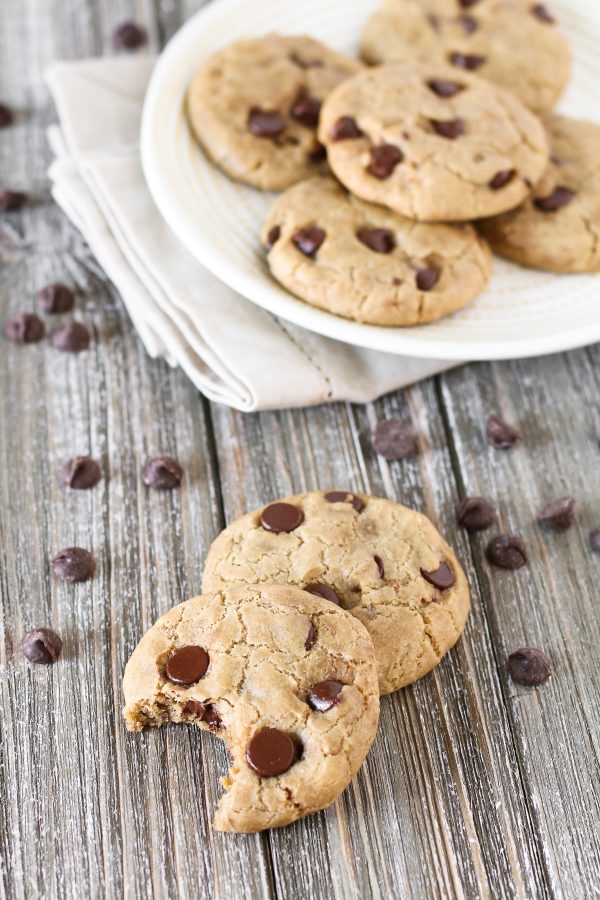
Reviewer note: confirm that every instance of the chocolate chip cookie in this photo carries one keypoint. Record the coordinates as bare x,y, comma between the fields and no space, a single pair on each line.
432,143
367,263
384,563
558,227
286,679
254,107
513,43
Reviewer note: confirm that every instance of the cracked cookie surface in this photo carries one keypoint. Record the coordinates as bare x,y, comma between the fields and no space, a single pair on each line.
287,680
371,264
254,107
385,563
513,43
432,143
558,227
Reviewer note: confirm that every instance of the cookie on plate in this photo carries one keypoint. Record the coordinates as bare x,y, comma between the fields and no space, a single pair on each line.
254,107
432,143
287,680
513,43
367,263
384,563
558,227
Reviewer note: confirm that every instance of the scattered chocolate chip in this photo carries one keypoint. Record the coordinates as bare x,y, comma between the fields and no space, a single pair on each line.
81,473
468,61
346,129
559,514
324,592
444,88
265,122
187,665
41,645
25,328
529,667
345,497
11,201
468,24
281,517
380,566
162,473
507,551
308,240
441,578
501,179
595,540
324,695
559,197
72,337
306,63
427,278
73,564
540,11
311,637
271,752
129,36
393,439
6,116
380,240
501,435
212,717
194,708
450,129
475,514
306,110
55,298
384,160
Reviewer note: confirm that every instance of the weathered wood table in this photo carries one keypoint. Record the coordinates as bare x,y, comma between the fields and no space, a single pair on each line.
474,787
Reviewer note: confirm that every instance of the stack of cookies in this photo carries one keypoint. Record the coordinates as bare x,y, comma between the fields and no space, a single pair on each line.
312,607
399,172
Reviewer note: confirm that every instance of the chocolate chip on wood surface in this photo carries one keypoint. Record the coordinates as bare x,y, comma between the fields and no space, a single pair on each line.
25,328
507,551
529,666
163,473
72,337
81,473
558,514
475,513
393,439
73,564
501,435
55,298
41,645
129,36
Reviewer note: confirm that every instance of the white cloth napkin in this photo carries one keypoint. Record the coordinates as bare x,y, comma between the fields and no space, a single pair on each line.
234,352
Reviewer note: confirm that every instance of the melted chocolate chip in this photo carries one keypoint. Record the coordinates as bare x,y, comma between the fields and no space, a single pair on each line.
468,61
393,439
442,578
187,665
271,752
529,667
308,240
468,24
55,298
540,12
194,708
324,592
559,514
73,564
306,110
212,718
272,237
26,328
163,473
444,88
81,473
380,240
559,197
11,201
450,129
129,36
427,278
6,116
501,179
384,160
281,517
345,497
475,514
380,566
311,637
346,129
324,695
41,645
72,337
501,435
595,540
507,551
265,123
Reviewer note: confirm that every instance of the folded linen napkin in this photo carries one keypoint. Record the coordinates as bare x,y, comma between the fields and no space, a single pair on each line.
233,351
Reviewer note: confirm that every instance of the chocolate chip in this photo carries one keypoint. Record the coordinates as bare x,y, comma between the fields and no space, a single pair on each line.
444,88
281,517
559,514
26,328
81,473
468,61
507,551
529,667
272,237
306,110
427,278
162,473
319,154
265,122
306,63
501,435
41,645
129,36
11,201
346,129
6,116
380,240
271,752
441,578
559,197
345,497
324,695
384,160
393,439
595,540
380,566
212,718
187,665
194,708
308,240
72,337
466,4
324,592
311,637
73,564
55,298
475,514
501,179
450,129
540,11
468,23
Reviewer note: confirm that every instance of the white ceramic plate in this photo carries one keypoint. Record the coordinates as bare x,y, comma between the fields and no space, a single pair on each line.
522,313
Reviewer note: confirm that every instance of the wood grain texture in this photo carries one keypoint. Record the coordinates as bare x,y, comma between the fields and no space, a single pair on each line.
474,787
